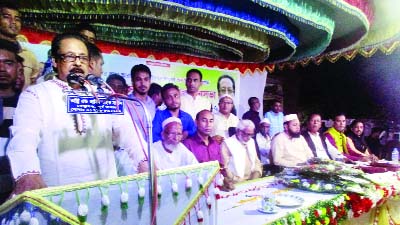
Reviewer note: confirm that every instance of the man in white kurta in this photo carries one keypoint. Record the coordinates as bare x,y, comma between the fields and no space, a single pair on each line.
191,100
50,147
224,119
180,156
289,148
240,156
169,152
263,141
318,143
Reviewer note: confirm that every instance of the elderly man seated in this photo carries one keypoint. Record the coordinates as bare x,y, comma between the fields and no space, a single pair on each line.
169,152
317,142
263,144
289,148
240,156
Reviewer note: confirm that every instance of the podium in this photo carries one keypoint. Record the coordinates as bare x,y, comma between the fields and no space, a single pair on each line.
185,195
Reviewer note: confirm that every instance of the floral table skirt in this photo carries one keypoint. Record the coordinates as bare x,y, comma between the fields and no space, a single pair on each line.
380,206
386,214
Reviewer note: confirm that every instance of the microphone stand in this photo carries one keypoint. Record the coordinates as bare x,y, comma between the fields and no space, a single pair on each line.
149,139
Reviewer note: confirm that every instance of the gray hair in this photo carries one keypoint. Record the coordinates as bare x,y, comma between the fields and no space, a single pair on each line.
243,124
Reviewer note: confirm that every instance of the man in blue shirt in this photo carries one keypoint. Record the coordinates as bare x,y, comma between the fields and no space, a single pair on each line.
275,116
172,99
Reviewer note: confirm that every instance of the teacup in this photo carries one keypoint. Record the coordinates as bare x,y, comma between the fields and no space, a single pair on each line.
268,203
290,171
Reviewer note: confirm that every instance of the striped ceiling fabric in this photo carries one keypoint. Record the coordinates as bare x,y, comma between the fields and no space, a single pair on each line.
254,33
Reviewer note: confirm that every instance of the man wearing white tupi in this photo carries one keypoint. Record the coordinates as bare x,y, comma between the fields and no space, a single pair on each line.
169,152
50,147
289,148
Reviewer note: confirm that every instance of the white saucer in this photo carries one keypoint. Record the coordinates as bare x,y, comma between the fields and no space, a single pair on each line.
287,200
275,210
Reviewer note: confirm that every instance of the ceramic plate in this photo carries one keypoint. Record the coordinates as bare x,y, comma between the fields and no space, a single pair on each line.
286,200
275,210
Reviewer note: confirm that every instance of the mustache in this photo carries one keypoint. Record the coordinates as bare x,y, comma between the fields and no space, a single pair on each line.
76,70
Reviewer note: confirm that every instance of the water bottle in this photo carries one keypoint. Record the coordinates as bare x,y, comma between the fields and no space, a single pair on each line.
395,155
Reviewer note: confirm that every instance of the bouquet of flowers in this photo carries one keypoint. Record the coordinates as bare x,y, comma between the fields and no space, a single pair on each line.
326,176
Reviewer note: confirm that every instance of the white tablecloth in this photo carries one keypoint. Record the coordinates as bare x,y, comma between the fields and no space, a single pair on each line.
240,205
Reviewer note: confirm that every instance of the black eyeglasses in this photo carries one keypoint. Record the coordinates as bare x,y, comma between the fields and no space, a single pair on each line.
244,133
72,58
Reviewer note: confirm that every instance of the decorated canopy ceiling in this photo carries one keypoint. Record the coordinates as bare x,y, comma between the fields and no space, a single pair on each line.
245,31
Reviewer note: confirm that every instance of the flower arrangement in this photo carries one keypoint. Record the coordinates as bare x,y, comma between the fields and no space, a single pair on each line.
359,192
327,176
327,212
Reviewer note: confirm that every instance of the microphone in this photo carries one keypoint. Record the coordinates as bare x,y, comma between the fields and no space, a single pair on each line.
97,81
76,81
94,80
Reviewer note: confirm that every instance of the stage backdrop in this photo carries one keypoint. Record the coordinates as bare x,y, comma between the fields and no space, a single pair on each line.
245,85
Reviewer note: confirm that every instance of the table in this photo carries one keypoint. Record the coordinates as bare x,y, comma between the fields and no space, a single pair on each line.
240,205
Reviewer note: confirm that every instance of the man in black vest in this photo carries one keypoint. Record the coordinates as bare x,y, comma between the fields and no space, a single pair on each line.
318,143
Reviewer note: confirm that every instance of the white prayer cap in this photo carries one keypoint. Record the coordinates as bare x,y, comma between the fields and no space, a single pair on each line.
290,117
226,95
265,120
170,120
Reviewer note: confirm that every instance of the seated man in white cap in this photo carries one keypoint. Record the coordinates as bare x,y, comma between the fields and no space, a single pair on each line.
240,156
224,119
263,143
289,148
169,152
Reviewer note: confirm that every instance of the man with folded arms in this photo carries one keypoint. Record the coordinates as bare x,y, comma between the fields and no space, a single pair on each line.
289,148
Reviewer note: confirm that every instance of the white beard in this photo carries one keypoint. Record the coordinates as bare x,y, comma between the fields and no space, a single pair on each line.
171,147
241,140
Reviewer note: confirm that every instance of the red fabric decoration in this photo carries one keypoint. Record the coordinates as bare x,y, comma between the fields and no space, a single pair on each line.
359,204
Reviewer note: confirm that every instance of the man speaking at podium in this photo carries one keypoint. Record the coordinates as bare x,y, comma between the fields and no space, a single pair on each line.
50,147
